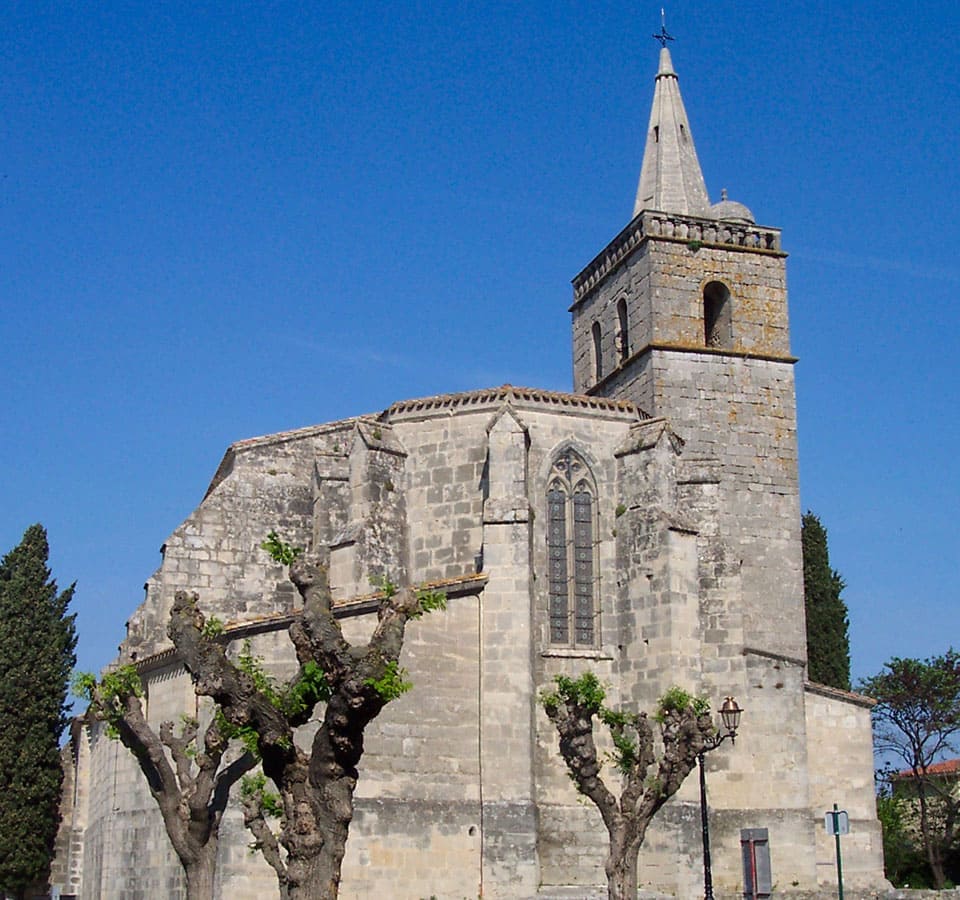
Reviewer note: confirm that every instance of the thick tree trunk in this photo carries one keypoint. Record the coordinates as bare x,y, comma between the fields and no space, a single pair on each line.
621,867
319,812
622,880
317,877
202,872
936,869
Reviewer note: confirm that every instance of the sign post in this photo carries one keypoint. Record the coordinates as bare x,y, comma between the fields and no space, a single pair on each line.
837,822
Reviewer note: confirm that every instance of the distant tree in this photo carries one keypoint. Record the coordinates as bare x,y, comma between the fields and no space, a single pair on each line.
37,642
828,642
904,862
353,683
917,722
186,779
685,730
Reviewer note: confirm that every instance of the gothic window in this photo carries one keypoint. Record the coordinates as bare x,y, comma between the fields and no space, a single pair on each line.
571,551
623,335
597,357
717,315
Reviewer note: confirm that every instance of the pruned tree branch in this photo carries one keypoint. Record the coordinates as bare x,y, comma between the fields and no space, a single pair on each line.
253,802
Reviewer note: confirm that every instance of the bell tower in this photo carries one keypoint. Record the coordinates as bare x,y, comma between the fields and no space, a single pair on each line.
684,312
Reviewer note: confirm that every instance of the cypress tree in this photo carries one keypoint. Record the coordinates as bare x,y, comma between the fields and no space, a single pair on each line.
37,642
828,643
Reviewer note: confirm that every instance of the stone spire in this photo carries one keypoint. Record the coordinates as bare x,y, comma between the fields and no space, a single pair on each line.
670,179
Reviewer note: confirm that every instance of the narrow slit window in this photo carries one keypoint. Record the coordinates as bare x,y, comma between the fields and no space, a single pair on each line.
623,334
597,355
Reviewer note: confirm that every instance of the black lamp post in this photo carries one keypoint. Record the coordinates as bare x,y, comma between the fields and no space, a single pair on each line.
730,716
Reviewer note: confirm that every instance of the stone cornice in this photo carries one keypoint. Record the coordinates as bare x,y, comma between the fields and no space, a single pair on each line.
461,586
686,348
769,654
716,351
690,230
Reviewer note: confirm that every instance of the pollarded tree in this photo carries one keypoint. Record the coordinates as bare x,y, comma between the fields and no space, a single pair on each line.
686,730
917,721
828,642
354,683
187,780
37,642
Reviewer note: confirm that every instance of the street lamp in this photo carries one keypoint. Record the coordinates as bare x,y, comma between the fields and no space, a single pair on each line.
730,716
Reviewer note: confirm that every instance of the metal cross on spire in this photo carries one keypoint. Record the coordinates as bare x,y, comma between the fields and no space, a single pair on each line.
663,36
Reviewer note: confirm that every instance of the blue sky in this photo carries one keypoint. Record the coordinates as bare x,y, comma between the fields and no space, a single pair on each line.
223,220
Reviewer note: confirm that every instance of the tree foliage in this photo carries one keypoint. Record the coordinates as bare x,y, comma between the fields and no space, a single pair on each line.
279,550
646,783
917,723
352,683
828,643
904,862
187,779
37,642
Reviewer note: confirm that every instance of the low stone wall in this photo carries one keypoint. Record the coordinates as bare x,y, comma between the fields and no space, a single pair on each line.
904,894
891,894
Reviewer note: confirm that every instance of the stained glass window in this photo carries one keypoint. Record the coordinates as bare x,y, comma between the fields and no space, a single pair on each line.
571,552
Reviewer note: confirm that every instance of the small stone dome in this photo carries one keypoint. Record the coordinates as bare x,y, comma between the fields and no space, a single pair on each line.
731,211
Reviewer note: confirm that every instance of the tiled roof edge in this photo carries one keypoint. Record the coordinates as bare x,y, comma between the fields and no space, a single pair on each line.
507,393
825,690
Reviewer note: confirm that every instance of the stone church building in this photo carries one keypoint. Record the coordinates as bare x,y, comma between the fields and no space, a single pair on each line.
645,526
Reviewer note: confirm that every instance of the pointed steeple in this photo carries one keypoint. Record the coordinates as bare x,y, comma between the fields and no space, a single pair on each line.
670,179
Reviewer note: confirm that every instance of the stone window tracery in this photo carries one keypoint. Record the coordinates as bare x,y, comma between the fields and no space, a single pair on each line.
571,552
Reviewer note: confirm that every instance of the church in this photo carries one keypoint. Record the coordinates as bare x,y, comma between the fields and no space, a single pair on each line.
645,527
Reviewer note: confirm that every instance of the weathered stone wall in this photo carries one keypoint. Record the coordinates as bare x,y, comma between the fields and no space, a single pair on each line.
262,484
126,851
741,413
841,772
66,872
419,813
444,492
